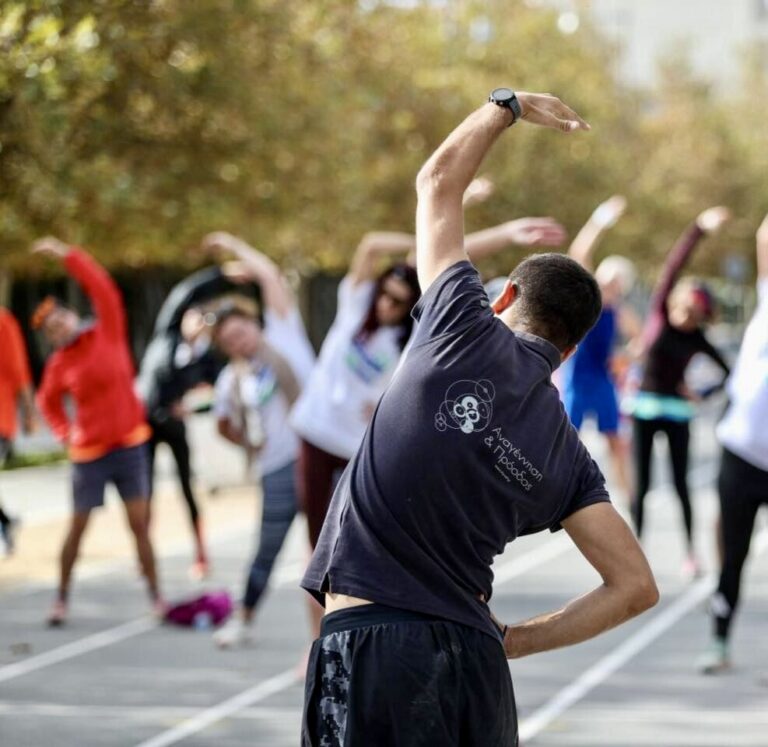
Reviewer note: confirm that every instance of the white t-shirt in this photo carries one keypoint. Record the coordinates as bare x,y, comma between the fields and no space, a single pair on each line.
349,378
744,429
255,386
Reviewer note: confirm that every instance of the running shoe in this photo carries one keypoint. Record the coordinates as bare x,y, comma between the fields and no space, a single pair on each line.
691,568
715,659
233,633
8,532
58,614
199,570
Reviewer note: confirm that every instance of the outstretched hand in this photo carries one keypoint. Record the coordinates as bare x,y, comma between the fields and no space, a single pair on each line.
548,111
608,213
50,246
220,243
478,191
713,218
535,232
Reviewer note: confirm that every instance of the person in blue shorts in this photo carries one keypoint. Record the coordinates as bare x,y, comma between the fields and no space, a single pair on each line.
588,385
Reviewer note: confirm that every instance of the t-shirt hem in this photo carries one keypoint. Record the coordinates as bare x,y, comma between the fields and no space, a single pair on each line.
313,586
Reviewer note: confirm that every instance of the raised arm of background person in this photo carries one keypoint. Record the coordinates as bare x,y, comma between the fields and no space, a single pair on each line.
605,216
441,182
628,587
707,222
520,232
762,249
197,288
373,246
102,292
50,401
255,266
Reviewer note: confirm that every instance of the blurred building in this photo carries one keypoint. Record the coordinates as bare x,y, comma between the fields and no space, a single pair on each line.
714,36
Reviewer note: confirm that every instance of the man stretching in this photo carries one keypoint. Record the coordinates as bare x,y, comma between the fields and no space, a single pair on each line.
469,448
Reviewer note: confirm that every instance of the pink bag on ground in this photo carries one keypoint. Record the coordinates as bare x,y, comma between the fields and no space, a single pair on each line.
211,608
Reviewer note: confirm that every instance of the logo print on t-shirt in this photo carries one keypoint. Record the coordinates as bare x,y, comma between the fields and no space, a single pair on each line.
467,406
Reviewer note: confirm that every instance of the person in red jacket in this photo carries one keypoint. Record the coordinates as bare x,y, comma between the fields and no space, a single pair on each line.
15,390
107,435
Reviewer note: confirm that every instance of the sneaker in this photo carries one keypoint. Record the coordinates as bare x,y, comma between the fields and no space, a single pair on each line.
715,659
233,633
691,568
58,614
159,609
7,532
199,570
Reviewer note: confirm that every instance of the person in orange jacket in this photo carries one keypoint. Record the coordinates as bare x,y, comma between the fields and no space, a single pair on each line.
108,433
15,390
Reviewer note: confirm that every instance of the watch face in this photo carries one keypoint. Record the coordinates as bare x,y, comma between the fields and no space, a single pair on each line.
502,94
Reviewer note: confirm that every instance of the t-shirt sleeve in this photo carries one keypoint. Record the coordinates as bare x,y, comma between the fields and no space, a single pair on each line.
453,302
222,395
353,301
588,488
288,336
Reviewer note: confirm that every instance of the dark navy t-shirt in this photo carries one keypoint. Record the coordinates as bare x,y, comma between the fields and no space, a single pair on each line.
469,448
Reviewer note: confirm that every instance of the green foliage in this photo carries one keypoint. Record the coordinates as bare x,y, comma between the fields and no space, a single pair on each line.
135,126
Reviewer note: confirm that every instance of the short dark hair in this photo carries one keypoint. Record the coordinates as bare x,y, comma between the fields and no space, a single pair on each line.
558,299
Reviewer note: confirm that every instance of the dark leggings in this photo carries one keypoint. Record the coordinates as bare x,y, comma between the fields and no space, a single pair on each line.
4,518
318,472
173,432
278,508
678,436
743,488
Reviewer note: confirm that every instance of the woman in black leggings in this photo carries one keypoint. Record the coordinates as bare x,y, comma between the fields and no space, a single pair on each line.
743,481
673,335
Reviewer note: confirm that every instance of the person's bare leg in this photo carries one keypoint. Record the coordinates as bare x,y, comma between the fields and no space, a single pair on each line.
619,460
67,559
136,512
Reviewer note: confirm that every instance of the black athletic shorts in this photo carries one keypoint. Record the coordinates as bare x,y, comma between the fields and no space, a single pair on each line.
384,677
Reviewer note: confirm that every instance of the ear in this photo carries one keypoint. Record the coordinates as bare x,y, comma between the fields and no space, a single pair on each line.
506,298
567,353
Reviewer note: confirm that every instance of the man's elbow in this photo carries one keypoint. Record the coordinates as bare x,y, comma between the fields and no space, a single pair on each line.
436,180
642,595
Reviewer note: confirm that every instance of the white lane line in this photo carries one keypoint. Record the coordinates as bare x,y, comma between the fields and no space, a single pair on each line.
205,718
605,667
78,648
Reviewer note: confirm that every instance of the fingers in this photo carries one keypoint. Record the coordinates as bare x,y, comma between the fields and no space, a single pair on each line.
549,111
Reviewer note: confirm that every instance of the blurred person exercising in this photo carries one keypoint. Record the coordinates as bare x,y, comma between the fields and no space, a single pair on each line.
743,479
673,334
178,358
468,449
268,366
588,385
15,392
107,438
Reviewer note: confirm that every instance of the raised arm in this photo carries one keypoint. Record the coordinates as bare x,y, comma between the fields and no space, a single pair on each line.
520,232
102,292
605,216
197,288
762,249
445,176
707,222
628,586
255,266
372,247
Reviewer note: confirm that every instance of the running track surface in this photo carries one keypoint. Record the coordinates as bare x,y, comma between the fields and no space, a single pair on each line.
113,677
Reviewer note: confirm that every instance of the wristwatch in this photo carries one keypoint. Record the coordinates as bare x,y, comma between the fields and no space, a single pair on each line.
506,98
